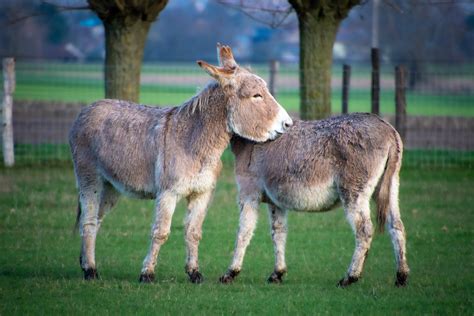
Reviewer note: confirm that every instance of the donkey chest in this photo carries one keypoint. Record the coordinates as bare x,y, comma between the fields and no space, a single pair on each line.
198,182
317,197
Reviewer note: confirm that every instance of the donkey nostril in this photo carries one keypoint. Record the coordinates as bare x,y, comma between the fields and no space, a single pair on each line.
287,124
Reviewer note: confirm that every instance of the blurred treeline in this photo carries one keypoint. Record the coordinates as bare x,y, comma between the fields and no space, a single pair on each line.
188,30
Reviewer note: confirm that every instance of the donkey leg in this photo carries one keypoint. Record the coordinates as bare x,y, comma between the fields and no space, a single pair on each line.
197,207
247,224
358,216
278,219
89,198
108,200
164,209
396,230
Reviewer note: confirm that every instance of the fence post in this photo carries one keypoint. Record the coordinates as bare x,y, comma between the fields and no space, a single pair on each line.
375,91
400,101
274,65
346,81
7,127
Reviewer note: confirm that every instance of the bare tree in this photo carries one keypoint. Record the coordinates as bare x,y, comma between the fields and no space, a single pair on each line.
440,38
126,24
318,25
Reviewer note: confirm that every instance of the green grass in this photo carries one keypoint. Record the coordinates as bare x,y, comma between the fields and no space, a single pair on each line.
39,271
82,83
418,104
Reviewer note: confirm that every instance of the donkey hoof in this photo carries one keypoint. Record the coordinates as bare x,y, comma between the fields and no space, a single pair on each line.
195,277
229,276
347,281
276,277
91,274
226,279
147,278
402,279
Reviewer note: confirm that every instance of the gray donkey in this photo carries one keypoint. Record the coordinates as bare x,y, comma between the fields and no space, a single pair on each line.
312,168
119,147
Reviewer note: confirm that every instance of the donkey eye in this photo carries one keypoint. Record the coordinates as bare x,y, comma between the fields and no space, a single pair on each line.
257,96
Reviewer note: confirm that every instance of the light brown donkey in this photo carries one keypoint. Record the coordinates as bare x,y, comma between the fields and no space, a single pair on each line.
165,154
313,167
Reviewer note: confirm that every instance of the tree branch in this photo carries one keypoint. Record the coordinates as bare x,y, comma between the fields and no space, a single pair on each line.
60,8
438,2
278,13
393,6
65,7
241,5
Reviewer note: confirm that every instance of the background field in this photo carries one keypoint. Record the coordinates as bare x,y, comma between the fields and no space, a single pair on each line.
447,90
39,271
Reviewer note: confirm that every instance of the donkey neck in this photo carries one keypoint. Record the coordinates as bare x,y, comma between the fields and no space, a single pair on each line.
202,123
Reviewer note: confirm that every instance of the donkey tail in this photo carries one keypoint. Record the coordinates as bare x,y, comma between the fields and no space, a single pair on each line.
392,168
78,216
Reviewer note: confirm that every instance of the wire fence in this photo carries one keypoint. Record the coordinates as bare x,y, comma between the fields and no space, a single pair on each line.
440,103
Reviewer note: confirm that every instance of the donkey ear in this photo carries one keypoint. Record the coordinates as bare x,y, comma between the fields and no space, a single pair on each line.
225,57
221,74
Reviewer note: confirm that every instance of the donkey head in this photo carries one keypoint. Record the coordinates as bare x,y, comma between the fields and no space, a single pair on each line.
252,112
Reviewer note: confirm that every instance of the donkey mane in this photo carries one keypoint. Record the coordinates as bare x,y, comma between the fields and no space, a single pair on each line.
198,101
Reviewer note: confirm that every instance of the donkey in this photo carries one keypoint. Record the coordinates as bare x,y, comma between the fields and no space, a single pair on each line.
165,154
314,167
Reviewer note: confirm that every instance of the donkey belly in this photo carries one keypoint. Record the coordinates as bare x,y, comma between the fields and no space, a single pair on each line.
131,170
314,198
133,191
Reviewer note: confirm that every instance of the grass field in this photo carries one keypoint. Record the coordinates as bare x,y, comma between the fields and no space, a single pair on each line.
39,271
172,84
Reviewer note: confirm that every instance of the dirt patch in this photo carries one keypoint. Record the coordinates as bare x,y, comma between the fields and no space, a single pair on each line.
7,184
37,122
439,132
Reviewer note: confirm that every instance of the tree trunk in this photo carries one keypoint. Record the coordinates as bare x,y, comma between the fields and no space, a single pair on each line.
317,36
125,42
126,26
